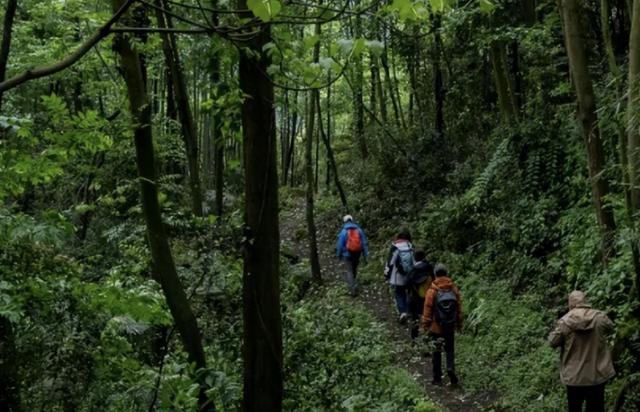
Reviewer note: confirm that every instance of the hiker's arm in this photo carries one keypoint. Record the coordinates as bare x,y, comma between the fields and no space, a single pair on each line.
459,314
607,324
340,245
426,311
388,268
365,244
556,337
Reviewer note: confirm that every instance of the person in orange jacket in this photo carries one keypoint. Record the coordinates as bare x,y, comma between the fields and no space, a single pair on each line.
441,317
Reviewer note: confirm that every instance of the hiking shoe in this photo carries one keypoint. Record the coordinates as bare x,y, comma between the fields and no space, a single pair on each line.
402,319
436,382
453,378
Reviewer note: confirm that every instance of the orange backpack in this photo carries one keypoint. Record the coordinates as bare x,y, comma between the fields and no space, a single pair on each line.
354,241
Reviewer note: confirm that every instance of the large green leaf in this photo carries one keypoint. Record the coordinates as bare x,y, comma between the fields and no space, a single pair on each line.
486,6
265,10
440,6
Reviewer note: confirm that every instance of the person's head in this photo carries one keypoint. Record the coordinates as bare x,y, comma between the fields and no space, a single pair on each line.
404,234
577,298
347,219
441,270
419,255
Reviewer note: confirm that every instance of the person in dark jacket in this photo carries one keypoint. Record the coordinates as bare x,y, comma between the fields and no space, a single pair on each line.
441,317
585,360
351,246
418,282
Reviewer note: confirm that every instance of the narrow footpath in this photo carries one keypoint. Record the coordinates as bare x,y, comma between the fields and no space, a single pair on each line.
376,297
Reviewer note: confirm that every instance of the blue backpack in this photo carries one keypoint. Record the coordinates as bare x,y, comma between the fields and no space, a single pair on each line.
404,261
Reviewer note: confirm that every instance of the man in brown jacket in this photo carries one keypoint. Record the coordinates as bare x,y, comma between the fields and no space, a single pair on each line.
585,360
441,316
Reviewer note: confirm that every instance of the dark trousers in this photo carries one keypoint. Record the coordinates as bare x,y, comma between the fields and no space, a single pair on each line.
401,298
592,396
446,340
351,263
416,304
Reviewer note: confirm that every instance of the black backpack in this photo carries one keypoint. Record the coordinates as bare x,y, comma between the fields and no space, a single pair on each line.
446,307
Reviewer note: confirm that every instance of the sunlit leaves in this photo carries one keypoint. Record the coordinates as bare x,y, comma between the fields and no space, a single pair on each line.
439,6
409,10
265,10
486,6
30,157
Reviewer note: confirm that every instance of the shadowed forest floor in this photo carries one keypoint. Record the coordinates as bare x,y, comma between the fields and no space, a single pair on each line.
376,297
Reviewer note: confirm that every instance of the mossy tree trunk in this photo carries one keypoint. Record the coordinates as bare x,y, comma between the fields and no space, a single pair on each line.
164,269
310,129
183,106
574,39
633,123
262,332
5,46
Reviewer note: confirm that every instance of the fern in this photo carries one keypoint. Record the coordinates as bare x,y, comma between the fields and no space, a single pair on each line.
480,186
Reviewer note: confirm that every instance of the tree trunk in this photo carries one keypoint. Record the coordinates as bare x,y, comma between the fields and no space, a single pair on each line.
284,135
328,136
589,119
395,88
308,157
330,156
164,269
262,349
615,72
172,58
438,83
293,121
380,92
633,121
389,84
216,131
529,12
5,47
358,108
317,159
506,101
608,42
172,112
373,100
9,380
311,224
358,94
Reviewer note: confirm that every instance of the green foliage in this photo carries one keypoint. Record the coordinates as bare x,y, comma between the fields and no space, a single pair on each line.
504,345
266,10
31,156
337,355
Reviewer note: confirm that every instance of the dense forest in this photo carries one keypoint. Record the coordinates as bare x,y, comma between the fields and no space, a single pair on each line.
174,173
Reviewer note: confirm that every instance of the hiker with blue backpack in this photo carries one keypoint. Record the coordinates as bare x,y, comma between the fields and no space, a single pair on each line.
399,264
351,246
441,317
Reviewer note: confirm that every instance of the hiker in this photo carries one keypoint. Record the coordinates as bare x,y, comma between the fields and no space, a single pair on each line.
352,244
585,360
441,317
418,282
399,264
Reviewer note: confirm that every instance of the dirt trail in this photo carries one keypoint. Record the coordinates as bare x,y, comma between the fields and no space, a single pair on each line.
377,299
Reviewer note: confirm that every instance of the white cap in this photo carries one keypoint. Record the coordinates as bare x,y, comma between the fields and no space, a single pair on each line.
347,218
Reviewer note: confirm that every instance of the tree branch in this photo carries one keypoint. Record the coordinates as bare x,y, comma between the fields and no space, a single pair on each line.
128,29
44,71
176,16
